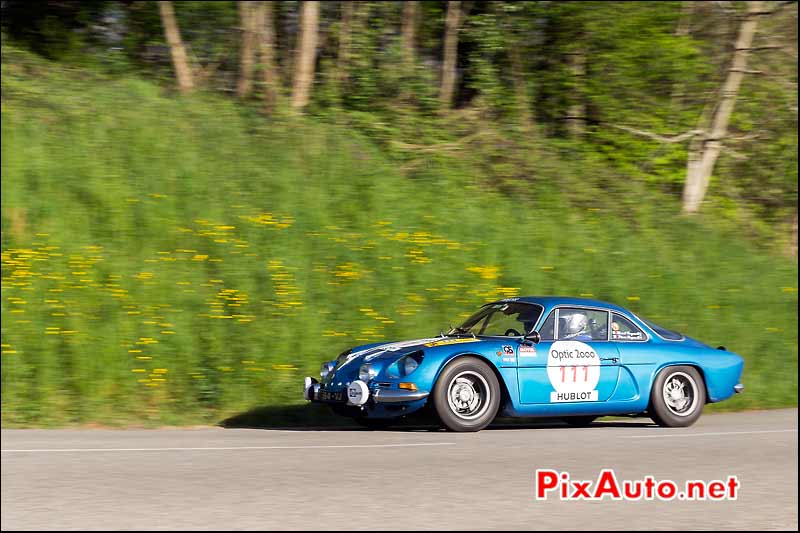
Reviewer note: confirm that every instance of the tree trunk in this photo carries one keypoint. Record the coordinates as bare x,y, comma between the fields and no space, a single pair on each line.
682,30
306,54
182,71
409,31
703,154
452,24
247,20
265,32
344,43
576,114
520,88
685,19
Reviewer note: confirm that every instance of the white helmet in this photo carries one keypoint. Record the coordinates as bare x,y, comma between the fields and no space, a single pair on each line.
576,324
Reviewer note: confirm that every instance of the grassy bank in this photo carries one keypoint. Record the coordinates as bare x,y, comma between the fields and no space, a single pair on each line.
176,261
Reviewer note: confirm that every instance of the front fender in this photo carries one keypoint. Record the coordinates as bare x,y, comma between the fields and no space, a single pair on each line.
506,376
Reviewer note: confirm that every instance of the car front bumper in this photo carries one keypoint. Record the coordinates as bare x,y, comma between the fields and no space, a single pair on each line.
358,393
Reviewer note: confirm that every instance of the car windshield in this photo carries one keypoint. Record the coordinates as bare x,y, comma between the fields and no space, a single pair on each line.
509,319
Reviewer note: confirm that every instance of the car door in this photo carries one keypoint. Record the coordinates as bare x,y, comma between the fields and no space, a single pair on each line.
573,362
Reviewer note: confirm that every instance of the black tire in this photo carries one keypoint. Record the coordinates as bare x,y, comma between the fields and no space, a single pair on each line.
466,396
685,406
375,424
579,421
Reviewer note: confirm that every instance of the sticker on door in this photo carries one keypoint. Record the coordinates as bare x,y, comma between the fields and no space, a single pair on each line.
573,369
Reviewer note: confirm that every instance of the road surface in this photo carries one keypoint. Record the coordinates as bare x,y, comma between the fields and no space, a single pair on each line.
214,478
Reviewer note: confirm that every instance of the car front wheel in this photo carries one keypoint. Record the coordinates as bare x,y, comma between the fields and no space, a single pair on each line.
678,397
467,395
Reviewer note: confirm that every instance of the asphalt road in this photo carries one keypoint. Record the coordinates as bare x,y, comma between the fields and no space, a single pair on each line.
215,478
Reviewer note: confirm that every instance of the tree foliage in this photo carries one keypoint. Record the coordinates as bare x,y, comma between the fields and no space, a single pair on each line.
645,71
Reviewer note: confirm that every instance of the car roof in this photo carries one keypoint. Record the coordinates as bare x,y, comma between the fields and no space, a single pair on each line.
551,301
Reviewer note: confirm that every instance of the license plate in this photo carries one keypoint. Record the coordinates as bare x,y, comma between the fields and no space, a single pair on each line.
328,396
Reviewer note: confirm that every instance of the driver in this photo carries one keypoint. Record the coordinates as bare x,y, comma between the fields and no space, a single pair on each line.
576,327
528,318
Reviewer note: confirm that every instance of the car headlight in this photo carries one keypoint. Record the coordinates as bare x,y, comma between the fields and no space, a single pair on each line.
367,372
405,365
327,368
409,365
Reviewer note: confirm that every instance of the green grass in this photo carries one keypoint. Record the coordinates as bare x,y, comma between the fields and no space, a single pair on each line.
182,260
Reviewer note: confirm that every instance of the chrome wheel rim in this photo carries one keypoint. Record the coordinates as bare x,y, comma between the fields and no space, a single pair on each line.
468,395
680,394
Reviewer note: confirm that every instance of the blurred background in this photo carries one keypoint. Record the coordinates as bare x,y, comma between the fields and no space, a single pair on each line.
202,201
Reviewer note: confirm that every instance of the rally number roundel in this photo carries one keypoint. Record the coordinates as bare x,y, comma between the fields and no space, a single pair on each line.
574,370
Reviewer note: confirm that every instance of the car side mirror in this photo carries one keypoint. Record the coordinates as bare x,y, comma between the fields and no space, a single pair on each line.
533,337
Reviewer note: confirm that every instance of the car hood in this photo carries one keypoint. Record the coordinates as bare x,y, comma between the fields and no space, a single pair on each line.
392,350
348,366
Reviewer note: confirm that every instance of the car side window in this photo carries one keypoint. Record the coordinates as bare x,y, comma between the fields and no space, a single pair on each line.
546,332
578,324
623,329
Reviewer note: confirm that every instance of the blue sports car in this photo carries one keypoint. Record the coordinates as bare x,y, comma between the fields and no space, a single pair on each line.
571,358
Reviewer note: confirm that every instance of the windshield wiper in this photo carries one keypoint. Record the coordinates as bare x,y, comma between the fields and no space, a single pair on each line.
458,330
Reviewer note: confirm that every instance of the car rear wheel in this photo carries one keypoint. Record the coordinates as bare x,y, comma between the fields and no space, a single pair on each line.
678,396
466,395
